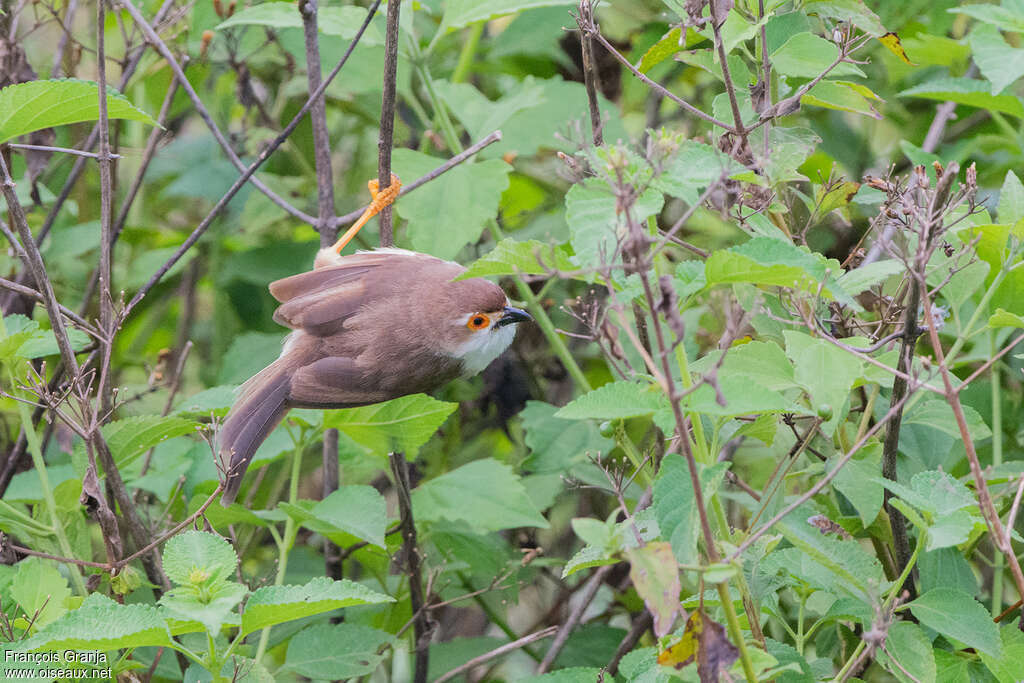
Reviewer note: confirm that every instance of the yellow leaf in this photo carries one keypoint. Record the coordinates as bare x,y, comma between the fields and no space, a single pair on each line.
892,41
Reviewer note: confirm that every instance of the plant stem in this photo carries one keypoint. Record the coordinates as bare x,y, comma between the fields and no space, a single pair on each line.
468,53
287,540
997,460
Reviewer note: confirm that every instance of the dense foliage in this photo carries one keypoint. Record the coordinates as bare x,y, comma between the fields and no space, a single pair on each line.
767,425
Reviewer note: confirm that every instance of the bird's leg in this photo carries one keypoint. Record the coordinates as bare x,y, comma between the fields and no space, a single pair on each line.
381,199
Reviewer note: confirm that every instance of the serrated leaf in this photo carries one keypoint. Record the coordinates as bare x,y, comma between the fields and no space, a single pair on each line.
99,623
214,401
675,506
277,604
586,557
908,649
199,557
938,415
511,257
343,22
466,196
336,651
825,371
972,92
131,437
958,616
402,424
43,343
595,225
615,400
31,106
485,494
1009,667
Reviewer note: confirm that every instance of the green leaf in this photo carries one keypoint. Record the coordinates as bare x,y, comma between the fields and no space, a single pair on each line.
861,279
249,353
858,574
277,604
357,510
40,591
675,505
952,529
740,396
825,371
1009,667
336,651
907,645
1011,198
655,576
31,106
766,261
485,494
402,424
211,606
43,343
1003,318
946,568
853,11
843,96
997,61
131,437
460,13
215,401
511,257
466,196
343,22
692,168
856,481
762,362
586,557
199,557
973,93
806,55
481,116
960,617
668,45
595,225
99,623
18,330
938,415
1009,16
616,400
557,444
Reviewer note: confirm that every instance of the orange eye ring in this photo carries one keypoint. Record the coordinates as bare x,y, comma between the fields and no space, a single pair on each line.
478,321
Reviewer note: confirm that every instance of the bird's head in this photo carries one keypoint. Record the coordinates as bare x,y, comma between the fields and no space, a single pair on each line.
480,323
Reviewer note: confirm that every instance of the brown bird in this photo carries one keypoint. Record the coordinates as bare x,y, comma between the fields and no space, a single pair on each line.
368,328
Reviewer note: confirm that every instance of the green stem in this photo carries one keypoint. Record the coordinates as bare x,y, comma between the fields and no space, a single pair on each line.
736,632
50,503
468,52
894,591
284,547
629,448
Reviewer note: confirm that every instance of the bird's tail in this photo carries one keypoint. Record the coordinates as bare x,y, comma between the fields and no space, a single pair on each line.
260,407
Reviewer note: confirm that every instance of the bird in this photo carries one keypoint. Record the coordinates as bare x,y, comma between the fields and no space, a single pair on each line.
366,328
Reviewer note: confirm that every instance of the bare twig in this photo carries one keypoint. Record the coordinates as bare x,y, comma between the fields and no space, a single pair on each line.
62,150
497,652
260,159
566,629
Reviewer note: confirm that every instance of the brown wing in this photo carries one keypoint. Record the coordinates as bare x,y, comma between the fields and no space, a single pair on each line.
320,300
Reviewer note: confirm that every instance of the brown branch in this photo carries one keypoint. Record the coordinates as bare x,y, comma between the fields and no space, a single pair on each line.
385,140
33,294
566,629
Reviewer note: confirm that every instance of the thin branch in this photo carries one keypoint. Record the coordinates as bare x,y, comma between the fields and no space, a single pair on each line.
68,313
204,114
566,629
497,652
62,150
385,141
260,159
423,180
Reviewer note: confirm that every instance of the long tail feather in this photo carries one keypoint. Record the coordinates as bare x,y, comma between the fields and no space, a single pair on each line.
259,409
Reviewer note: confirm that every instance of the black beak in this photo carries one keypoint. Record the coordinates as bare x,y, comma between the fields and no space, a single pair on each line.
511,315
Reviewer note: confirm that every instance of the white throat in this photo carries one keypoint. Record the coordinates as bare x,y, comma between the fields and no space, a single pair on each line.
483,347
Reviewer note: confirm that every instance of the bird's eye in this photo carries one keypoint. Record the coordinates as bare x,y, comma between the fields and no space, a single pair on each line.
478,322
